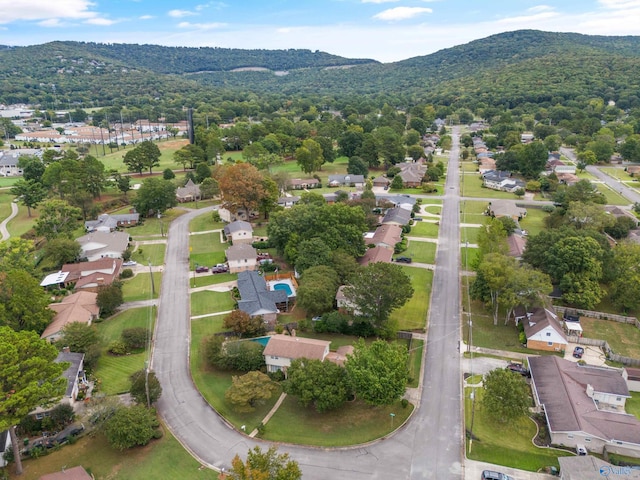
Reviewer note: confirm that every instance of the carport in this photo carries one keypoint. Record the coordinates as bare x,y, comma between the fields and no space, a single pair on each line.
573,328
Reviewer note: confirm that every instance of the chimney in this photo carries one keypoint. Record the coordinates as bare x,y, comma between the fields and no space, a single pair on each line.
66,350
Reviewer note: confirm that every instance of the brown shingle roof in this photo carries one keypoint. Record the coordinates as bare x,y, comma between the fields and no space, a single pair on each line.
78,307
240,252
375,255
539,320
388,234
296,347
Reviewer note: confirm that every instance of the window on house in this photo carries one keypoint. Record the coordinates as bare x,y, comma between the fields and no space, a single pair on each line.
618,399
548,334
588,439
569,436
550,343
39,416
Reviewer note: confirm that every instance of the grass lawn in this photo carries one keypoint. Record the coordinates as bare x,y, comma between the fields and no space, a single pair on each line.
139,287
162,458
5,205
212,384
623,338
533,223
473,187
469,167
206,249
353,423
113,372
8,181
206,302
155,226
468,256
618,173
202,280
473,211
469,234
633,404
153,252
507,444
424,229
415,360
433,206
167,149
421,252
613,197
22,222
204,223
413,315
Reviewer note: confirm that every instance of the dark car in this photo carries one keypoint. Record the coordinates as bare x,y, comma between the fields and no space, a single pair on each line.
403,259
219,269
578,352
70,431
518,368
202,269
491,475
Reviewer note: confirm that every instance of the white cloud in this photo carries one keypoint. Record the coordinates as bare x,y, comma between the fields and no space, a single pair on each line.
401,13
620,4
540,8
48,10
380,1
180,13
146,17
51,22
516,22
103,22
201,26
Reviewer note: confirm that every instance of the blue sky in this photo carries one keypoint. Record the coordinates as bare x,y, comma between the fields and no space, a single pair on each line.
386,30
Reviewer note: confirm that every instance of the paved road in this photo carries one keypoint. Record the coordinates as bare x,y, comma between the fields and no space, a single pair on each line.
3,226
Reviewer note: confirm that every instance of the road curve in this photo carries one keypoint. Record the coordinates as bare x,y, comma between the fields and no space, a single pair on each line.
3,226
428,447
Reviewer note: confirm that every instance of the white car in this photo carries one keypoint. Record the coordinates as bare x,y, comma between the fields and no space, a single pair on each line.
129,263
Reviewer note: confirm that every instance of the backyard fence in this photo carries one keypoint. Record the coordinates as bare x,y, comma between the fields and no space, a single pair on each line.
611,355
600,315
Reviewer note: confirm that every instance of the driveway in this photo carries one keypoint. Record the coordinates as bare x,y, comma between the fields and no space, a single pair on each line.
592,355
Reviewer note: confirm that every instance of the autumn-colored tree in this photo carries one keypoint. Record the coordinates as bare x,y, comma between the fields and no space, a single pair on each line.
267,465
243,324
241,186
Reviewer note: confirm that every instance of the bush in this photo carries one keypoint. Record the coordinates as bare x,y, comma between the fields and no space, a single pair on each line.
135,338
117,347
126,273
522,338
404,402
262,245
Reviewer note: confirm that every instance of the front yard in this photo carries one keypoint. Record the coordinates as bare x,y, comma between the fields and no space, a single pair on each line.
421,252
207,249
208,302
413,315
140,286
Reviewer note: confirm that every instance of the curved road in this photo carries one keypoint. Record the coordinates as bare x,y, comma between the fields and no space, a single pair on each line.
430,446
3,226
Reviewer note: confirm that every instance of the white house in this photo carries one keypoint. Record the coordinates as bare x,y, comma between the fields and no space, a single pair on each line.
5,443
283,349
242,257
97,245
239,232
544,330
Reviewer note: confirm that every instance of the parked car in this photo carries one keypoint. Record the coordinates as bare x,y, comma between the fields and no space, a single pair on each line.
581,450
518,368
219,269
202,269
403,259
578,352
491,475
129,263
70,431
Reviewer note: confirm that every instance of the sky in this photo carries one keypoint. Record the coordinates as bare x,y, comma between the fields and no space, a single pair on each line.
384,30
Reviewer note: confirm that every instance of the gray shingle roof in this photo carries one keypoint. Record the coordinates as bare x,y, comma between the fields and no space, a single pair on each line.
255,297
71,373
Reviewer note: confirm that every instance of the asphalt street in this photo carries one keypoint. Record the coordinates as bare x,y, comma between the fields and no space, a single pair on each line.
429,446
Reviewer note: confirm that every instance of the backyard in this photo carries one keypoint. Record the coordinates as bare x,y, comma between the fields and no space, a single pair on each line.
623,338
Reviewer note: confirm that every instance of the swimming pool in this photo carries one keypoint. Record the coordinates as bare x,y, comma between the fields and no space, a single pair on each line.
282,286
261,340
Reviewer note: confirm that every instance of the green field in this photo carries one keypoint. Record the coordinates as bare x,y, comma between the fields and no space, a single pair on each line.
207,249
204,223
469,234
140,287
421,252
473,211
413,315
623,338
112,371
153,252
533,223
200,280
203,303
114,161
424,229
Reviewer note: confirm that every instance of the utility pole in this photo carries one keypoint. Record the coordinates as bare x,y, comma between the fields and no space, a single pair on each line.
153,287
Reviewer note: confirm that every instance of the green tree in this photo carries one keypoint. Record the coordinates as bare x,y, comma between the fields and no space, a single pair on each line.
630,149
243,325
267,465
143,383
155,196
625,288
24,303
506,396
167,174
209,188
396,183
57,218
247,390
32,167
82,338
109,298
202,171
30,378
309,156
311,253
61,250
321,384
378,289
29,193
189,155
588,216
317,290
378,372
130,427
17,254
357,166
144,156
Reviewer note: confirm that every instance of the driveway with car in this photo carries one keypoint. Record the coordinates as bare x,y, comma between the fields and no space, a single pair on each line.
592,355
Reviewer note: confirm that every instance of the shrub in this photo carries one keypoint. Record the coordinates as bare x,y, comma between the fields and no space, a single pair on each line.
262,245
135,338
117,347
404,402
126,273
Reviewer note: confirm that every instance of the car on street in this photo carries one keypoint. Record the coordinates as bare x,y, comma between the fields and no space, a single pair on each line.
578,352
491,475
202,269
220,268
129,263
404,259
518,368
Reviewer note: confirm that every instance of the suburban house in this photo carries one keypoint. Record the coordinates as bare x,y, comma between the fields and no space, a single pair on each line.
397,216
618,212
80,307
75,377
632,376
87,276
404,201
505,208
567,178
517,244
257,300
346,181
303,183
585,405
228,216
633,170
5,443
587,467
281,350
73,473
501,180
344,304
526,137
108,223
544,330
288,202
242,257
97,245
239,232
9,164
381,181
189,193
486,164
386,236
375,255
411,173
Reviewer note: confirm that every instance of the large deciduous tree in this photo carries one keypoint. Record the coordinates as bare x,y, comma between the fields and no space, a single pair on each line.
267,465
241,187
309,156
378,372
249,389
144,156
30,378
145,387
17,254
506,395
378,289
29,193
189,155
317,290
243,325
57,219
625,288
130,427
321,384
24,305
156,195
